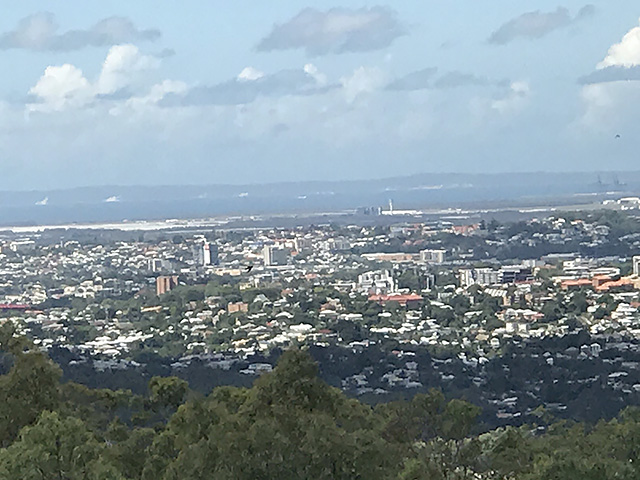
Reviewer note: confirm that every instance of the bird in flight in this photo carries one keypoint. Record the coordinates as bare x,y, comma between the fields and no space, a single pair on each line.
248,268
617,135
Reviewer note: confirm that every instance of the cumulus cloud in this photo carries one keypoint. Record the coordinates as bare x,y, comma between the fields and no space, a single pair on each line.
40,32
624,54
537,24
122,67
612,92
61,87
159,91
65,86
362,81
249,85
249,74
621,64
610,106
338,30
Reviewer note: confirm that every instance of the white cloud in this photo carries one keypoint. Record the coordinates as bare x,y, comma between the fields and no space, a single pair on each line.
152,98
338,30
123,67
609,106
65,86
250,74
537,24
362,81
624,54
152,129
243,90
33,32
61,87
611,93
312,70
40,32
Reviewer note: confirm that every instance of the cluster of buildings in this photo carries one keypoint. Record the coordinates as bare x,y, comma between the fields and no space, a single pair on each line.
247,291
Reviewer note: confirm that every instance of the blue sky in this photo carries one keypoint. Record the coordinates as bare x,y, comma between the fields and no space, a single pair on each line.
205,92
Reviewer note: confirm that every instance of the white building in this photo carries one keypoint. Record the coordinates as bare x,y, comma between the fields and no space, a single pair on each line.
275,255
433,256
636,265
379,282
479,276
206,253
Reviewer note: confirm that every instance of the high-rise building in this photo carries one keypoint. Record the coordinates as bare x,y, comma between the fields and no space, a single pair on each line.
166,283
154,265
275,255
636,265
205,254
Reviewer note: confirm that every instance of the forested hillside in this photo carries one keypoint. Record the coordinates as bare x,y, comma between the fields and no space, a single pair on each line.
289,425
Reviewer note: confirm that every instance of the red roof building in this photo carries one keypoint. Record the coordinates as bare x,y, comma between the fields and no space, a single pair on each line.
404,300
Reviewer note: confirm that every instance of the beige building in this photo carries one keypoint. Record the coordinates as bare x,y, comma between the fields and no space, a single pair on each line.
166,283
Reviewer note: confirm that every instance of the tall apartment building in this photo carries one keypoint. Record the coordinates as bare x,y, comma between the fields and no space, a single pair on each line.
166,283
275,255
205,254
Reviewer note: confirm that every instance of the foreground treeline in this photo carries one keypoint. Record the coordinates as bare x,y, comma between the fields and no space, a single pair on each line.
289,425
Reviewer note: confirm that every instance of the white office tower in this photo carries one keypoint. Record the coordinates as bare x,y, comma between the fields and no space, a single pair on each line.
275,255
206,253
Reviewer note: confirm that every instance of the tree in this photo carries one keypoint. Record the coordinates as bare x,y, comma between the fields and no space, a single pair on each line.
290,425
578,304
552,311
409,279
30,387
166,394
56,448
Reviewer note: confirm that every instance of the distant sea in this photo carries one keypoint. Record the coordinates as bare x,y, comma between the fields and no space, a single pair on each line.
420,192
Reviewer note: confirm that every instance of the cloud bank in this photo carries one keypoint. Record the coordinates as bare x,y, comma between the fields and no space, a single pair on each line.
336,31
251,84
537,24
39,32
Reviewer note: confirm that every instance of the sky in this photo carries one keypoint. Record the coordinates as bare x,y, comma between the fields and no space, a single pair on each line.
213,92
